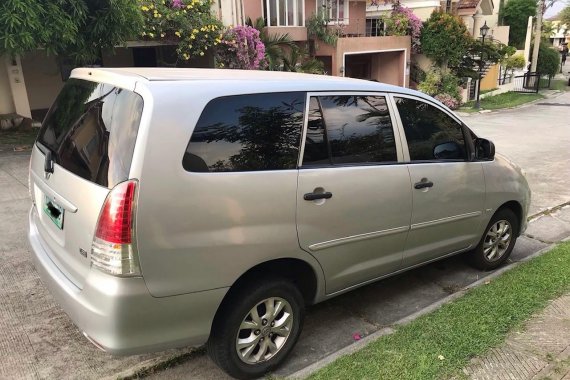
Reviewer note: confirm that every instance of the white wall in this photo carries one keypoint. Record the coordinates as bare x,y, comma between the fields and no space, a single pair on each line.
6,103
43,78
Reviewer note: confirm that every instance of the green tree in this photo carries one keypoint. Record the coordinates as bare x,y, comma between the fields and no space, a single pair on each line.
77,29
516,14
548,60
564,16
479,53
444,39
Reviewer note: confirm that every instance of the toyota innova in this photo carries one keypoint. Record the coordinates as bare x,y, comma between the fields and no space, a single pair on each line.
176,207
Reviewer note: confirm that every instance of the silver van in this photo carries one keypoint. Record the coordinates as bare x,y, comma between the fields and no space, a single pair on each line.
175,207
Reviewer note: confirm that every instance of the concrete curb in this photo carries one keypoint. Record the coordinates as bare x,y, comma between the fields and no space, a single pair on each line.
551,96
548,211
307,371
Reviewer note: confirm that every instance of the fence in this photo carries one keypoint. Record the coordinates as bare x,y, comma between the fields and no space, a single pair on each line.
527,83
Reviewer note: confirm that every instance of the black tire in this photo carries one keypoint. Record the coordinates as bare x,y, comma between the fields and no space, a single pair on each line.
479,258
226,327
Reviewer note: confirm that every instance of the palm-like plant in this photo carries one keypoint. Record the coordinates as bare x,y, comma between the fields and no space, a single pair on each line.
275,44
300,61
283,54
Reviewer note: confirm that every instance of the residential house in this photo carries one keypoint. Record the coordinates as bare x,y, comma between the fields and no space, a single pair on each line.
29,84
474,13
560,32
358,53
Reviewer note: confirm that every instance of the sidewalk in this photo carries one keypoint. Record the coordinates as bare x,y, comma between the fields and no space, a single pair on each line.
539,351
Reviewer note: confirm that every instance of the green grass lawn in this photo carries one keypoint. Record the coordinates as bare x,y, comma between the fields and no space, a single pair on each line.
560,85
438,345
506,100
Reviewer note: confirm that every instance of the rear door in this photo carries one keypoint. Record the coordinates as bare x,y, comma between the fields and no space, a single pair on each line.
353,197
84,148
448,188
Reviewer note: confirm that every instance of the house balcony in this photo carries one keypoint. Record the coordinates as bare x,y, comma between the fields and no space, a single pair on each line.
296,33
361,53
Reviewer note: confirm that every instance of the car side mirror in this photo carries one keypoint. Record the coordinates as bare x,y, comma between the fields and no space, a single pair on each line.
484,149
447,151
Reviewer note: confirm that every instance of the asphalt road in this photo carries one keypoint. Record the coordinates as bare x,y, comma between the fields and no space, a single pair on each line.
37,340
536,137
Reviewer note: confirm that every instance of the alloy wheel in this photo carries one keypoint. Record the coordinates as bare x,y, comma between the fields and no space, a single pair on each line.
497,240
264,330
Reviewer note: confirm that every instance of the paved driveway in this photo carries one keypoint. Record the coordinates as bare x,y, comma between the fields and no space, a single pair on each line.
537,137
37,340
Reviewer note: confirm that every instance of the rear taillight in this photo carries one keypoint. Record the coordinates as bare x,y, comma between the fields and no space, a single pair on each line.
113,249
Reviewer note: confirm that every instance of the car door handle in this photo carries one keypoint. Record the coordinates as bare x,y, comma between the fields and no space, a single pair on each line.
423,184
315,196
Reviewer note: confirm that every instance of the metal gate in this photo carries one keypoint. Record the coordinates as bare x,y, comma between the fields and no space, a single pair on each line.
528,83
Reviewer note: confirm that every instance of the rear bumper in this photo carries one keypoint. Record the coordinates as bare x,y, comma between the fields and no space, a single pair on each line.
119,315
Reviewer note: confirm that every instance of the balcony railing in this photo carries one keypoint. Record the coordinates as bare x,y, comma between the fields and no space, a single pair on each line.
357,27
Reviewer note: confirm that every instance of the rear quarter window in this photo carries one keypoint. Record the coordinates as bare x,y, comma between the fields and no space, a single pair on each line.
91,130
247,133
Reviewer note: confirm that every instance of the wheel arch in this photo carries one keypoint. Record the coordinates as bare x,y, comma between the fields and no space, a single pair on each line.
301,273
517,209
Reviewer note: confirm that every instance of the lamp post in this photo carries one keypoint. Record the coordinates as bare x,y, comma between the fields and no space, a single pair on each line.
483,30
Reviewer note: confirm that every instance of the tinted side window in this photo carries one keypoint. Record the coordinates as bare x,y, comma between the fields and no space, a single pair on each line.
350,130
247,133
431,134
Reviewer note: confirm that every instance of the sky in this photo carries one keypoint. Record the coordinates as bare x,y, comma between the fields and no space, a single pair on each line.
557,7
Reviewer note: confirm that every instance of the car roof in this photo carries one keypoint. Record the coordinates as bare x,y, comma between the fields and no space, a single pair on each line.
311,82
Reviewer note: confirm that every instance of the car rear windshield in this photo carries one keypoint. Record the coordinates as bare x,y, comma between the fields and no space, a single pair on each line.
91,130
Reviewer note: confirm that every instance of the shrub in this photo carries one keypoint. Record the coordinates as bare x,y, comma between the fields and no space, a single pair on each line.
403,22
189,23
443,86
317,28
548,60
449,101
241,48
396,24
511,63
415,25
444,39
515,62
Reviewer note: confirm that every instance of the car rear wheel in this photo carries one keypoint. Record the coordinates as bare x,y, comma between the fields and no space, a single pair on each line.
257,328
497,242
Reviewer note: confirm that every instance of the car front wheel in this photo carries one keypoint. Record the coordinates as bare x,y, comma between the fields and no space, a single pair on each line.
497,242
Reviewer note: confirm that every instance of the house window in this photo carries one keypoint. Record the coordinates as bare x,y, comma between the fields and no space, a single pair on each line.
374,27
335,10
284,12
